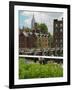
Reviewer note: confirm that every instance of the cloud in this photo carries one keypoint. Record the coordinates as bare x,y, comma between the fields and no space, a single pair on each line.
41,17
27,23
26,13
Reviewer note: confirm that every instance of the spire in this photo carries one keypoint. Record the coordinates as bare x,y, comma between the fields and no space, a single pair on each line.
33,22
33,15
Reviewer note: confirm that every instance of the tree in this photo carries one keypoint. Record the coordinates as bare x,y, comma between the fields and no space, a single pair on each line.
36,26
50,39
43,28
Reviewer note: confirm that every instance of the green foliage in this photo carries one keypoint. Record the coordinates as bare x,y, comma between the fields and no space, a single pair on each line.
36,26
35,70
43,28
50,39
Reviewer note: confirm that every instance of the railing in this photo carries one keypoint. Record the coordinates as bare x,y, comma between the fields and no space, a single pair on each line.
42,59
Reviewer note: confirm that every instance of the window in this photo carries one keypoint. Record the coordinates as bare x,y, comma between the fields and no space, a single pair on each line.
61,45
55,30
61,25
45,40
56,40
61,30
56,45
45,44
56,25
61,41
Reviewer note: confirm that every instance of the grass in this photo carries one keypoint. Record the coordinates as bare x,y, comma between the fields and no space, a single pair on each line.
36,70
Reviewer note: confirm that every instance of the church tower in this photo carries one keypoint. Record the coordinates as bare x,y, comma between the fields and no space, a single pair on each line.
33,22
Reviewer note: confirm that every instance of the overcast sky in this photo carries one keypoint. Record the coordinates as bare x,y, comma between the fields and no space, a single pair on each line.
25,18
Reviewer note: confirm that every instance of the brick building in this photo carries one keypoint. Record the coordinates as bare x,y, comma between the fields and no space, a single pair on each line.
23,40
27,40
32,40
42,41
58,33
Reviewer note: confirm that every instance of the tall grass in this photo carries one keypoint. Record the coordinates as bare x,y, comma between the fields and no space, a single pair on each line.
36,70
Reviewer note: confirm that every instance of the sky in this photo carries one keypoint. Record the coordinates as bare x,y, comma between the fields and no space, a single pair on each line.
25,18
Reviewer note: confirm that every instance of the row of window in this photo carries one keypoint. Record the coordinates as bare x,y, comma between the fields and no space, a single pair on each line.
56,25
61,45
56,30
58,37
60,40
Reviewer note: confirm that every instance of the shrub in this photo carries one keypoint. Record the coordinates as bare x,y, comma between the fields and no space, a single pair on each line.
36,70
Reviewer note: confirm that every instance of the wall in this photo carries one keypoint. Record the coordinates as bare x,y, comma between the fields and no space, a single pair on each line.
4,44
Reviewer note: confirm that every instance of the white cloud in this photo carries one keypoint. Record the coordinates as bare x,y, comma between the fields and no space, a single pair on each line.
27,22
26,13
42,17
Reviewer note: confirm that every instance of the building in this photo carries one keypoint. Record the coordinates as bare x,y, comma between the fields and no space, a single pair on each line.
42,41
33,22
23,38
27,40
32,39
58,33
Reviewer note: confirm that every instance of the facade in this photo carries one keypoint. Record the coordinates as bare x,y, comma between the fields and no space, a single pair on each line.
42,41
22,40
33,40
58,33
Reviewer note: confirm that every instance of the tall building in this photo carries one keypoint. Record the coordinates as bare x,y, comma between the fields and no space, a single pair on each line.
58,33
33,22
